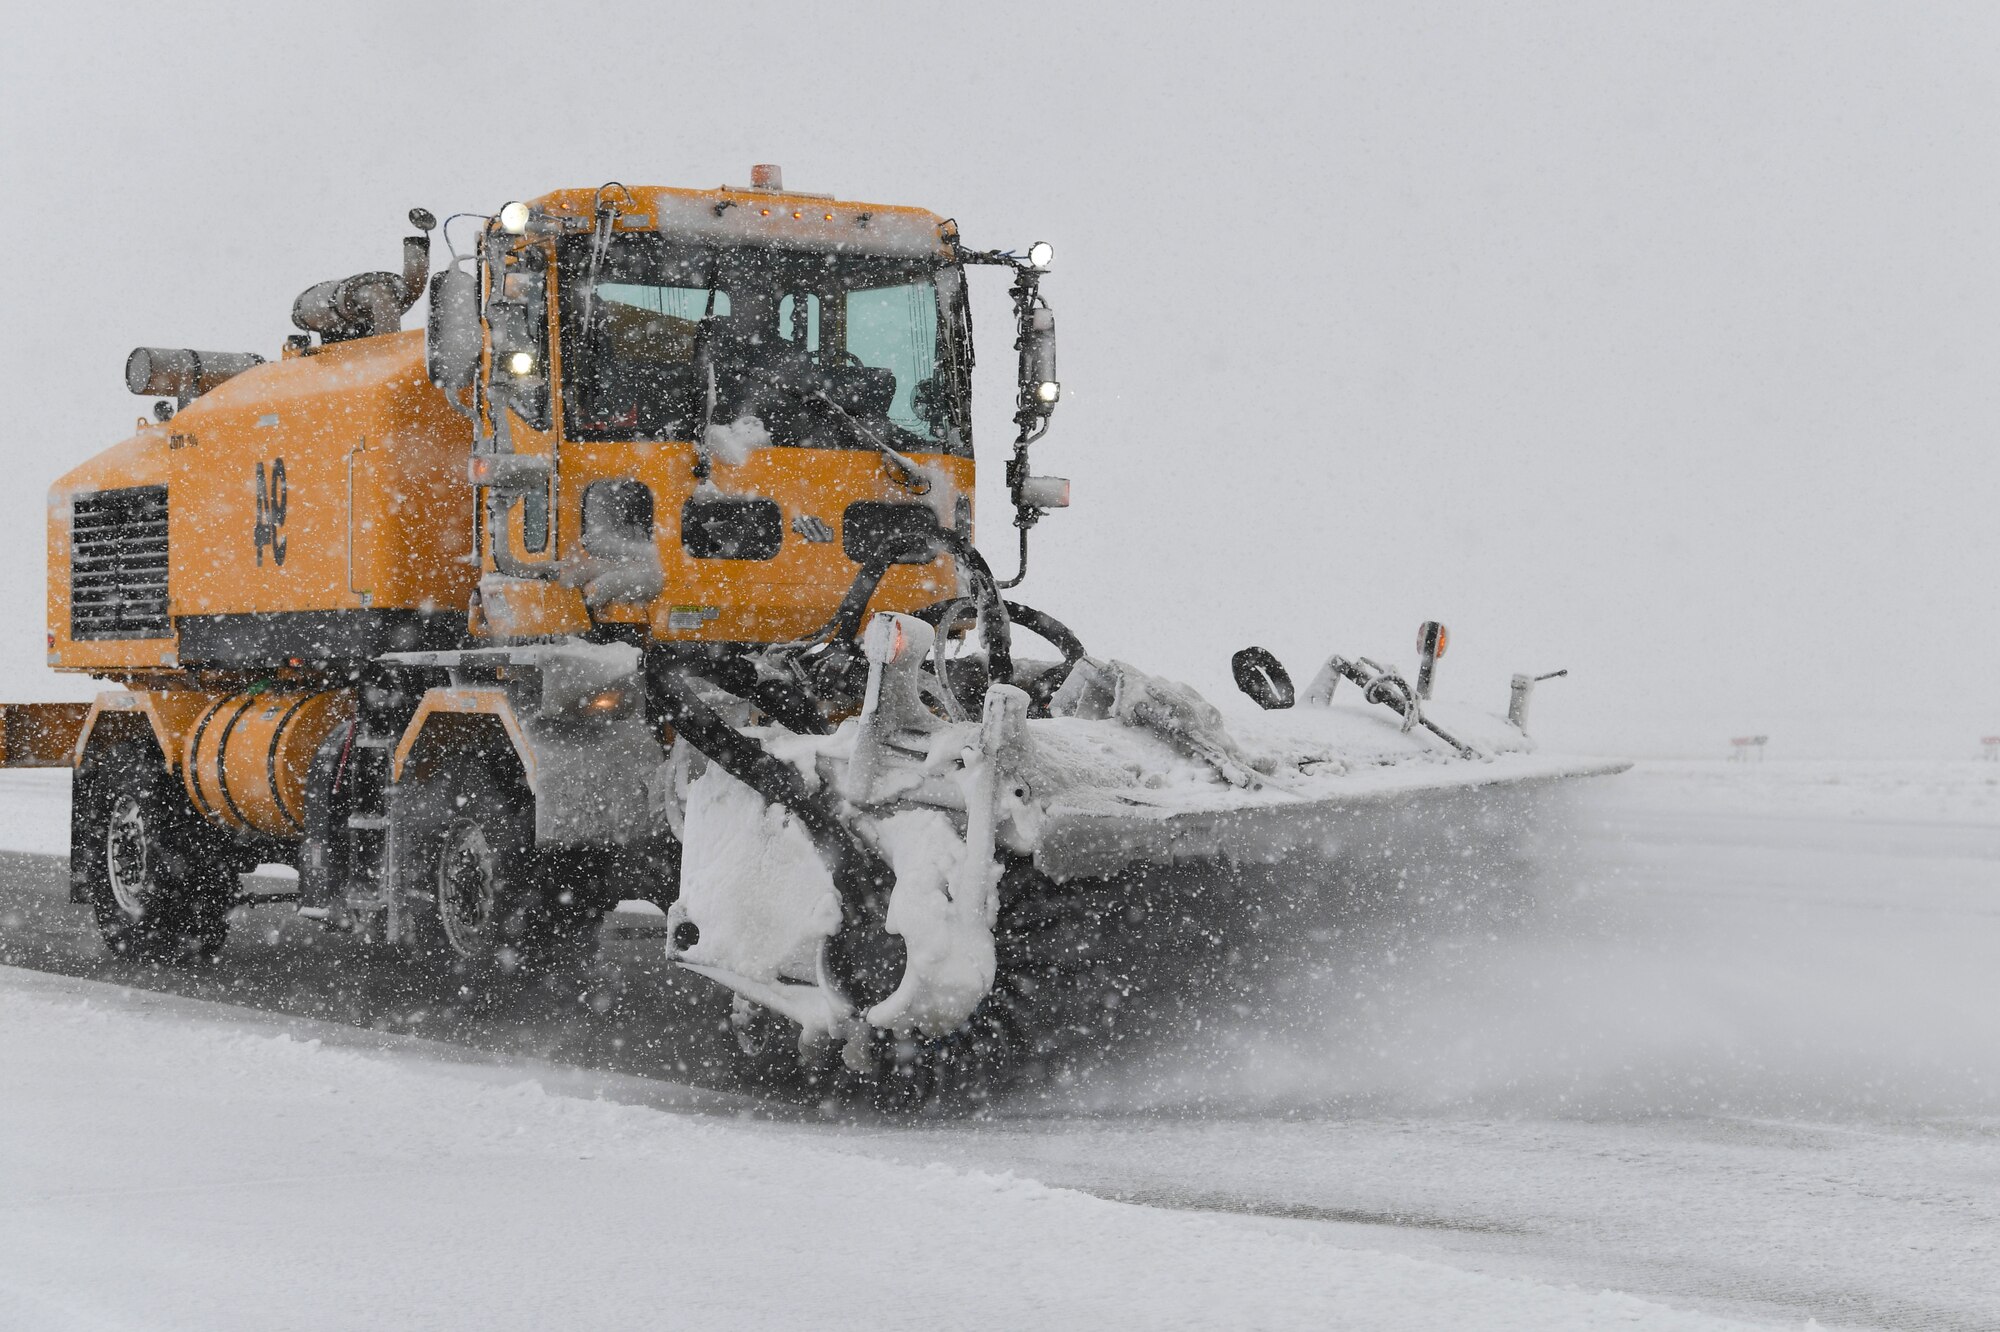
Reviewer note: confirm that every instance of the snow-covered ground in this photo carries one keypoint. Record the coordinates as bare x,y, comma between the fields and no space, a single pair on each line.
166,1164
1901,790
1742,1063
34,810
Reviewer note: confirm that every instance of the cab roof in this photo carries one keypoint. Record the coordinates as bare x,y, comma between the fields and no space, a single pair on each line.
755,215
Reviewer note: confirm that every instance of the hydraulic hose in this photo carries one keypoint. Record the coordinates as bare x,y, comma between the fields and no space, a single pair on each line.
863,960
845,627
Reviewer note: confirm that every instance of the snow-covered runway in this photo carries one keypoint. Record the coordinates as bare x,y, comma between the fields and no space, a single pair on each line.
1744,1062
162,1167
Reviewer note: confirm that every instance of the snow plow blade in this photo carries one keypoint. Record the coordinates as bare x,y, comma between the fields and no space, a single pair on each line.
981,861
1081,841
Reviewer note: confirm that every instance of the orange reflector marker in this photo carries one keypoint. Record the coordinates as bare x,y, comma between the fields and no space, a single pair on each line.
1431,640
888,639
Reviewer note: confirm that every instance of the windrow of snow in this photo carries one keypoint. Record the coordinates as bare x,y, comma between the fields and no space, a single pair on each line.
167,1164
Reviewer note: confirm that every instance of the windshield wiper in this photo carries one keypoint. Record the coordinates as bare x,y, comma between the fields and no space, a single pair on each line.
905,472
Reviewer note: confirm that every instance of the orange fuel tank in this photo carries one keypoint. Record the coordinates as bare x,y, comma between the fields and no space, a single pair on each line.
248,754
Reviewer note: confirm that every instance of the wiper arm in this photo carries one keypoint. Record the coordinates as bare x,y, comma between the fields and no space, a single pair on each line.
906,472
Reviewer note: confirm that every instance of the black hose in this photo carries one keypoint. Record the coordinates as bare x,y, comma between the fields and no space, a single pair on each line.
863,959
1048,626
1059,635
845,627
997,628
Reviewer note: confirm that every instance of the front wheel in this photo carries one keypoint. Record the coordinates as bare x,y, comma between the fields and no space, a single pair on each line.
484,899
1063,974
159,882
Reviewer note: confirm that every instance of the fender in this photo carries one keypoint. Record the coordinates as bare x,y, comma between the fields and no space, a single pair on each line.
592,771
465,701
169,713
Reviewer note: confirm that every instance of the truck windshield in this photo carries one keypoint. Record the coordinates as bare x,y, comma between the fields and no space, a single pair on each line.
819,348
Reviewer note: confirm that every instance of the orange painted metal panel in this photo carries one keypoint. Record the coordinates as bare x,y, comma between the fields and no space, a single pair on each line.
375,511
40,735
465,701
169,713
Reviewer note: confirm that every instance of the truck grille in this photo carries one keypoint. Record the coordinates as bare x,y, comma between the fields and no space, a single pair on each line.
118,564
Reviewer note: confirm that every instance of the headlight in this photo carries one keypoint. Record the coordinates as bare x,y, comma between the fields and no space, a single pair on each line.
514,218
523,363
1041,254
1048,391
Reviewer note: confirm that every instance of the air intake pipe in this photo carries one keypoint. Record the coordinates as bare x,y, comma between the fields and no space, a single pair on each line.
182,373
367,303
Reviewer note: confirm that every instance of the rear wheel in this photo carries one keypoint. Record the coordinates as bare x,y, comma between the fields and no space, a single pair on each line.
159,880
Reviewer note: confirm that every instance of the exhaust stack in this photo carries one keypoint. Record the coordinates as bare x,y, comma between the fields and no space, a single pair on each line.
367,304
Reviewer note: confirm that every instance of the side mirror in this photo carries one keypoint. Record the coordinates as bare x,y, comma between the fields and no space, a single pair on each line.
519,372
509,322
1039,386
1263,677
451,333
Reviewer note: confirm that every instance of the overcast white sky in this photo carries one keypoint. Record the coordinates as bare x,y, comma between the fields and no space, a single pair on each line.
1658,343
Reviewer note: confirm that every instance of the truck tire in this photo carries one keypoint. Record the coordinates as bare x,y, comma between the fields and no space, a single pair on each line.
463,841
563,923
484,899
1062,979
160,882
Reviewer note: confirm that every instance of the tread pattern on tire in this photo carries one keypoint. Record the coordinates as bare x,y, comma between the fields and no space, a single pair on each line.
1069,967
187,919
543,922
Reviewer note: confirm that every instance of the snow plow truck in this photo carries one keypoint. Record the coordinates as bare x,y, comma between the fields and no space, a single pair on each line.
645,570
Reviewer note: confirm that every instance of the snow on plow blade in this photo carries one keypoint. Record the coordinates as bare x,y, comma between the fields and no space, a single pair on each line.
1003,830
1100,833
1082,842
